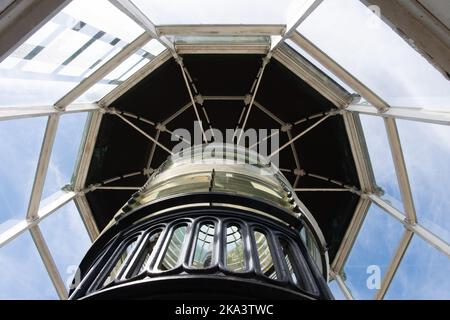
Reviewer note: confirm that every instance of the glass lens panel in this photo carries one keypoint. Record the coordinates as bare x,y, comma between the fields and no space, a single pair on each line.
24,276
422,275
67,239
381,159
265,256
220,12
287,255
426,148
372,253
379,57
20,146
144,260
65,152
172,257
67,49
120,262
235,257
203,255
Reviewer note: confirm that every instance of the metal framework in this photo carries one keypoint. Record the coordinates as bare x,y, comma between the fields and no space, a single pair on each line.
23,21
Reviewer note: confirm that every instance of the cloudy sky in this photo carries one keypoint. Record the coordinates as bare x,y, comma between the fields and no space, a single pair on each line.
350,34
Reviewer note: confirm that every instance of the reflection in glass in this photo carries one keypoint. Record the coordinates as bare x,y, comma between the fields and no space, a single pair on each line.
144,259
203,255
235,249
265,256
287,255
173,252
119,263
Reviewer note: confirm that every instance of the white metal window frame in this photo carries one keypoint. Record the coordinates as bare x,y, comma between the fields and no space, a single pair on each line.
375,106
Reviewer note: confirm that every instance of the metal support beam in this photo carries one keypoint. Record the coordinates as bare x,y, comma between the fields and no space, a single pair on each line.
13,113
21,19
394,265
49,263
103,71
339,71
422,232
360,152
427,115
400,169
145,134
302,13
221,30
43,213
341,283
43,163
87,217
299,136
351,234
137,77
315,77
321,190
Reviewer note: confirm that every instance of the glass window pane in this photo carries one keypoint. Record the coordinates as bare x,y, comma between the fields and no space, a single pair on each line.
426,148
144,259
172,257
67,49
235,257
20,146
220,12
65,152
371,255
203,254
379,57
381,159
265,256
67,240
336,291
24,276
122,72
422,275
127,251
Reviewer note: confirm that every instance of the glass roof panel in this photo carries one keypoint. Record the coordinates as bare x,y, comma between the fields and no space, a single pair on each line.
381,159
379,57
426,148
422,275
65,152
20,145
163,12
67,240
24,276
308,57
75,43
371,255
122,72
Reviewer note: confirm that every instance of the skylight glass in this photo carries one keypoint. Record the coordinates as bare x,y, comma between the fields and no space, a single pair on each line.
336,291
426,148
381,159
67,239
24,276
163,12
422,275
65,151
363,44
67,49
372,253
122,72
20,145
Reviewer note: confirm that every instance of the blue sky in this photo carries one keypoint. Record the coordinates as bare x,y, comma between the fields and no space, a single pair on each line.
350,34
